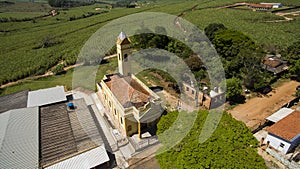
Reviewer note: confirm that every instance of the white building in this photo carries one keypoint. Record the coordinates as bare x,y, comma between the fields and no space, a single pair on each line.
275,5
46,134
285,134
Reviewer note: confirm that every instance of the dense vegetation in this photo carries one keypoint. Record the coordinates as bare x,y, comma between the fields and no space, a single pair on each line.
292,55
231,146
69,3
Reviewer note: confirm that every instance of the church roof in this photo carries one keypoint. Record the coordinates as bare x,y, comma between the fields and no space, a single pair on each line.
123,39
127,91
122,36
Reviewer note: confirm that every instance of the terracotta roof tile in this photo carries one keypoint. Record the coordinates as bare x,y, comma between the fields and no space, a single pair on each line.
272,63
128,91
260,5
288,127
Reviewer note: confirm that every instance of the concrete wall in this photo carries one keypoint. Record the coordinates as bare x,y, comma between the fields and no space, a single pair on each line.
276,141
190,91
283,159
203,99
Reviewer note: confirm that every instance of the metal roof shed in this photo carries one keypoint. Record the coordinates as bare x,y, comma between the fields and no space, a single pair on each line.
89,159
19,139
280,114
46,96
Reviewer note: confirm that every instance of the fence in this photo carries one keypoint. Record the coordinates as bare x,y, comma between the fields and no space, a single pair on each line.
143,143
286,162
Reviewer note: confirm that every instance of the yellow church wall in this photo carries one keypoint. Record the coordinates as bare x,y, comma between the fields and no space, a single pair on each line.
131,126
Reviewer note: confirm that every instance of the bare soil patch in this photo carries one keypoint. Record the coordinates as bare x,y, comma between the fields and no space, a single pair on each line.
254,111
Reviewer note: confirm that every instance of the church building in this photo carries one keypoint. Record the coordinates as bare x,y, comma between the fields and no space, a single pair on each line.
133,107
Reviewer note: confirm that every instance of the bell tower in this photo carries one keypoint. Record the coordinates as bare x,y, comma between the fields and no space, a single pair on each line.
123,52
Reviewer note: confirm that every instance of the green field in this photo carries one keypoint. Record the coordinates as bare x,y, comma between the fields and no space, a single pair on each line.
22,54
64,79
12,6
250,23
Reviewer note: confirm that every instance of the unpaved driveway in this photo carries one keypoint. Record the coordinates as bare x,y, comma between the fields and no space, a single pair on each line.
255,110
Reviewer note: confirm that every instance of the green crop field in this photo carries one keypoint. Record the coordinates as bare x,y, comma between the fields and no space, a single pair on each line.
23,55
12,6
64,79
251,23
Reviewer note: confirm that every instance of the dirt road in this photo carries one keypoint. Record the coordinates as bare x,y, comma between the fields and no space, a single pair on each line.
50,73
285,16
255,110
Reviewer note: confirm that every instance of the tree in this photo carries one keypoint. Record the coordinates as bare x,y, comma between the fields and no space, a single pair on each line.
57,3
295,68
229,43
292,52
234,87
194,63
292,55
235,50
228,147
254,77
212,28
179,48
141,38
201,74
166,121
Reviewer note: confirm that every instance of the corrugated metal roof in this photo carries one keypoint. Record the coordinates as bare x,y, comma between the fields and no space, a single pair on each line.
65,134
46,96
13,101
19,139
280,114
89,159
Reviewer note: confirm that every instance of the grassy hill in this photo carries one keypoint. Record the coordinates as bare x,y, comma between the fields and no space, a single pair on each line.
22,54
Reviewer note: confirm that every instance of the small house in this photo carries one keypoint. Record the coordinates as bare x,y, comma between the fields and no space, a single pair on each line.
274,64
274,5
284,135
208,99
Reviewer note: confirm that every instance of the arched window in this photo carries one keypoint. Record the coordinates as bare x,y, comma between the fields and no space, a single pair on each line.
125,57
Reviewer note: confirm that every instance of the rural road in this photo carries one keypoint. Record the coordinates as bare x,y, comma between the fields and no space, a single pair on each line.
255,110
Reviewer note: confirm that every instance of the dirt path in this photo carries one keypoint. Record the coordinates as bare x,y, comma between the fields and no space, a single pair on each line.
234,5
50,73
255,110
285,18
176,21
